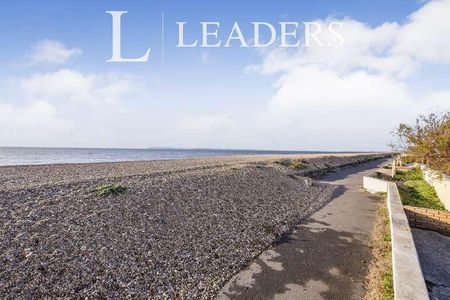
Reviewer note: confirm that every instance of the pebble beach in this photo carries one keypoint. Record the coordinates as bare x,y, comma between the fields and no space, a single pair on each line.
180,230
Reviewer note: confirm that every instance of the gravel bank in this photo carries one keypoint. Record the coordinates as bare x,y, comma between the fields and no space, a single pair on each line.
434,255
182,228
23,177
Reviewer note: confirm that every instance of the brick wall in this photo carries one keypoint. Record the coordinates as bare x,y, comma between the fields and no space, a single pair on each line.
427,218
402,168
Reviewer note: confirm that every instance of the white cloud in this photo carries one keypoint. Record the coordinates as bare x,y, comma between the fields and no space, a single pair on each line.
425,36
390,48
51,51
66,108
35,124
364,48
318,109
347,98
67,86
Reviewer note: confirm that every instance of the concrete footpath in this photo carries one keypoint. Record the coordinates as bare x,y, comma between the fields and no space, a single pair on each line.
326,256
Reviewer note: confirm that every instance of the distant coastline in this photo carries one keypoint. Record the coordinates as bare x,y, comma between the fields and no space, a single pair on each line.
10,156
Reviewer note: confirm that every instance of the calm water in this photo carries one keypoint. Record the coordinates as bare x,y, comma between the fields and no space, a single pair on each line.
31,156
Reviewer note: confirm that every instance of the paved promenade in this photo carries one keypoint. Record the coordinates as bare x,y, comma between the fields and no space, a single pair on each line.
326,257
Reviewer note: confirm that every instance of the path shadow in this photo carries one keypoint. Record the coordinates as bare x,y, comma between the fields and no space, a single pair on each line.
314,261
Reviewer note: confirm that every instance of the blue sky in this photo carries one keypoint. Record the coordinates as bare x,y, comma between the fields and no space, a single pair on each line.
84,23
230,98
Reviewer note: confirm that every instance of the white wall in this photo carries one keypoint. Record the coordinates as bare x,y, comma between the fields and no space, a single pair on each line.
409,282
441,185
374,185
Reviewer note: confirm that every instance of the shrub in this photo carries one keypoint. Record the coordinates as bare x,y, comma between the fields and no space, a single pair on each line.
427,141
110,189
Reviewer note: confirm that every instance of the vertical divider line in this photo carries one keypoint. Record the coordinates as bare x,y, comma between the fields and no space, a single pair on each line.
162,36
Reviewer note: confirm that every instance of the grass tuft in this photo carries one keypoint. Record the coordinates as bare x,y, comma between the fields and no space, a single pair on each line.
284,162
110,189
379,281
381,195
388,286
387,237
296,165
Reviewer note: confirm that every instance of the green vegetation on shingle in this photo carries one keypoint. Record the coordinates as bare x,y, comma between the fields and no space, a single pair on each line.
296,164
110,189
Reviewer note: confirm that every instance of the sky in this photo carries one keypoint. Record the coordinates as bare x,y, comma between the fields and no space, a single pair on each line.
58,90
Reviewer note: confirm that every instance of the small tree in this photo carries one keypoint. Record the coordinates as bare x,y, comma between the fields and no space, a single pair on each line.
428,140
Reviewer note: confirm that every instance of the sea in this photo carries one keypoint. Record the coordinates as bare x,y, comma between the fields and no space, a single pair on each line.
35,156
